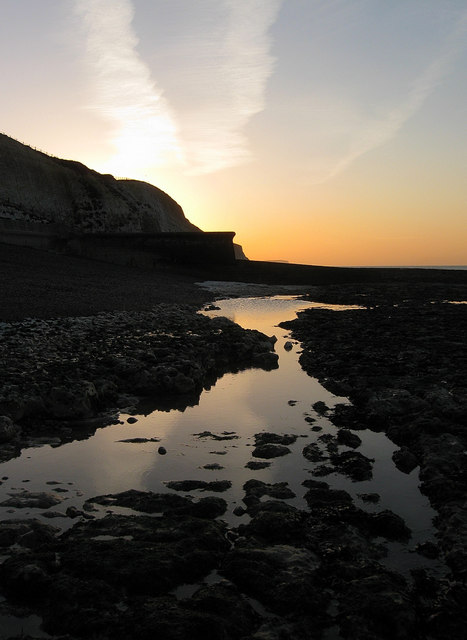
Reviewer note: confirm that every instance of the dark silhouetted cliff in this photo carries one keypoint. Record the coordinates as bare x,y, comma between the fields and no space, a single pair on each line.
35,187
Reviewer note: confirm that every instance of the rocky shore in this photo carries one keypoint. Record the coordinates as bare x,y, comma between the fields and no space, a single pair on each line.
139,564
402,361
67,375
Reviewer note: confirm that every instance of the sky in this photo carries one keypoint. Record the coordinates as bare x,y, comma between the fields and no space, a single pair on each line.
328,132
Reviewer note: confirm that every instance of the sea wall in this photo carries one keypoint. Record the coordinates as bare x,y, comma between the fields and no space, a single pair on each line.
143,250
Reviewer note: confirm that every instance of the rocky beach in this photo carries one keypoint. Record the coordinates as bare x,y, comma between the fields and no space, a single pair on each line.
174,565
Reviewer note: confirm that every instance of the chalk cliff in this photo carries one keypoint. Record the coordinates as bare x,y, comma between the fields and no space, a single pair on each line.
36,187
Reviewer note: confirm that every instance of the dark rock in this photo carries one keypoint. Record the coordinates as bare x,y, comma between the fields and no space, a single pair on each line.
8,429
428,550
190,485
405,460
73,512
209,507
281,577
232,616
320,407
257,488
23,576
313,453
275,523
132,420
153,554
270,451
319,497
256,465
26,499
215,436
377,606
369,497
389,525
353,464
27,533
265,437
349,439
162,451
140,440
166,503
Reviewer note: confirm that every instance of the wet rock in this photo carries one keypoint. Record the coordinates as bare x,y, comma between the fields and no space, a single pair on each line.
8,429
213,466
74,512
165,503
190,485
266,360
281,577
313,453
320,407
369,497
270,451
405,460
257,488
322,470
209,507
255,465
353,464
428,550
275,522
162,451
349,439
132,420
74,403
27,533
288,346
140,440
143,554
26,499
24,576
324,496
215,436
265,437
233,617
377,606
389,525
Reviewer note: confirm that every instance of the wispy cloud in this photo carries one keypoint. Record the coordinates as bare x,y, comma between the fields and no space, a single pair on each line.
222,80
144,130
371,134
234,64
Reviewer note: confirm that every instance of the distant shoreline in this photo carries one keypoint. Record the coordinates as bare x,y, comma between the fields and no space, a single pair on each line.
41,284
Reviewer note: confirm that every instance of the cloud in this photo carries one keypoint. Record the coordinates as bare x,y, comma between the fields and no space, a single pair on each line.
371,134
221,76
144,132
231,66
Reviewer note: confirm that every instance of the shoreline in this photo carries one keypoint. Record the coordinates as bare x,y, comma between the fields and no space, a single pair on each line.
42,284
287,573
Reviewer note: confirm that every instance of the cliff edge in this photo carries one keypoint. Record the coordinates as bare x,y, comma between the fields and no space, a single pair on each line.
36,187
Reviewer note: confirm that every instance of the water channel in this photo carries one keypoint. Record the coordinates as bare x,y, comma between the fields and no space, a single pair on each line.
239,406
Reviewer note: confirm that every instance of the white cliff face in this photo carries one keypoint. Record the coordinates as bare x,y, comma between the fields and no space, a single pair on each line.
35,187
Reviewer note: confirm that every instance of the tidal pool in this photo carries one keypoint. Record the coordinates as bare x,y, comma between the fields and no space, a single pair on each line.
233,410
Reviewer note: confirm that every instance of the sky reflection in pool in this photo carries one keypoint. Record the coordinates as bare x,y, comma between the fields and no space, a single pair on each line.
244,403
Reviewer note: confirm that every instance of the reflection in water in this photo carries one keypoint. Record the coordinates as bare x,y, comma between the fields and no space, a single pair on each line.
244,403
